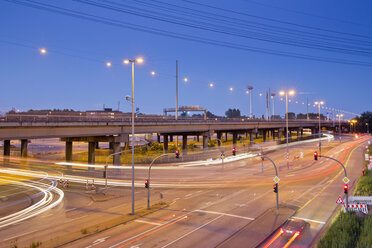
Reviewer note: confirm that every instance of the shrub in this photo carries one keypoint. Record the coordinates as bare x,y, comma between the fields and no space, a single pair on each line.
156,146
365,239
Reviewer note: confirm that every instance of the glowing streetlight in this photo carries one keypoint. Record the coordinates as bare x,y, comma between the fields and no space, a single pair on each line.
133,61
153,73
286,93
185,79
211,85
108,64
320,128
339,124
231,89
43,50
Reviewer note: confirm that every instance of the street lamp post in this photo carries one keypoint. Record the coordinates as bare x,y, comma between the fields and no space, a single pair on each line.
148,180
127,61
286,93
339,125
250,88
320,128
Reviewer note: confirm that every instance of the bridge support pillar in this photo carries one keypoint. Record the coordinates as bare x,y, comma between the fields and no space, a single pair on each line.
197,138
298,134
226,136
280,134
264,132
6,147
170,138
24,147
250,137
165,143
116,149
302,133
257,135
235,138
219,136
158,136
97,145
313,131
205,141
68,151
91,153
184,143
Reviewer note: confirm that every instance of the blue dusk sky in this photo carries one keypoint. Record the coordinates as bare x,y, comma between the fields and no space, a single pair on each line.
321,49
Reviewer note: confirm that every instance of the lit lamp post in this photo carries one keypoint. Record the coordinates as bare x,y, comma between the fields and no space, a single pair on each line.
127,61
353,122
339,124
286,93
250,88
367,127
320,128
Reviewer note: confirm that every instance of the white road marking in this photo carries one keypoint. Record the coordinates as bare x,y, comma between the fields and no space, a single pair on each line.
20,235
71,209
188,195
75,218
97,242
309,220
192,231
224,214
148,222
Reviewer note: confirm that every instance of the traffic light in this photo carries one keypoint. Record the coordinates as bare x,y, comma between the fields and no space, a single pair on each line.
346,188
315,155
262,158
146,183
234,151
275,187
177,153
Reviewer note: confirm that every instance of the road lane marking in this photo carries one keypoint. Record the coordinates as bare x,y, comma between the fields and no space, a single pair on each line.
20,235
71,209
224,214
196,229
309,220
148,222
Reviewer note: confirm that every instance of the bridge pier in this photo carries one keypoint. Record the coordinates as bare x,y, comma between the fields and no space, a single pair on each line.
197,138
170,138
165,143
264,135
281,134
219,136
6,147
251,137
226,136
97,145
184,143
235,137
24,147
302,133
205,142
116,149
68,151
158,136
91,153
298,134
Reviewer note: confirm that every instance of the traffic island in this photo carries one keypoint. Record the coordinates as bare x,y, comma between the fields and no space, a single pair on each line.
86,231
257,231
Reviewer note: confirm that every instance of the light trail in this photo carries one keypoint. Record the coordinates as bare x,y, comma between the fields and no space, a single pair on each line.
291,240
48,201
274,238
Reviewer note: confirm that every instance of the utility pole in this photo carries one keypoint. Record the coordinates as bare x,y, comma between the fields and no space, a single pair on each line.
307,108
176,113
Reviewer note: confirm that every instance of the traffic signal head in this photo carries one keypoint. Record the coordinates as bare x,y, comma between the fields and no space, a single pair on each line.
315,155
234,151
275,187
177,153
146,183
346,188
262,158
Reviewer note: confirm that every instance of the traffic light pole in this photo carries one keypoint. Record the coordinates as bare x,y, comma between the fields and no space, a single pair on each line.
148,189
347,193
277,185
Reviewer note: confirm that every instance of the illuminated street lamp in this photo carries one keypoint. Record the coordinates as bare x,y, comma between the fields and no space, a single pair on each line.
211,85
43,50
231,89
320,128
133,61
339,124
250,88
153,73
286,93
185,79
108,64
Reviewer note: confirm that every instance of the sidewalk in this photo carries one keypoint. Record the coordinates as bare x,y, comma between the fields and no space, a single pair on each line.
258,230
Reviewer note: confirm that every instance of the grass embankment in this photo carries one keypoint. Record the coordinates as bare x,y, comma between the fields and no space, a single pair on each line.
349,229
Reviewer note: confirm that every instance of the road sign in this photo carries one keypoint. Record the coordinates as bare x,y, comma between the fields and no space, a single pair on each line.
366,157
357,208
276,179
340,201
287,156
346,180
360,200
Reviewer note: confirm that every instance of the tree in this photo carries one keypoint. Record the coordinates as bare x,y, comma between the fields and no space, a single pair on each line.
232,113
210,115
291,116
364,122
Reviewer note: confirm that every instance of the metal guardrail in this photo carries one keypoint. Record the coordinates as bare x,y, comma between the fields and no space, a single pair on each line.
139,119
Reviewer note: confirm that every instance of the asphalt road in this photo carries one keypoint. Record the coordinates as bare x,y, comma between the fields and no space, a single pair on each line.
207,204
